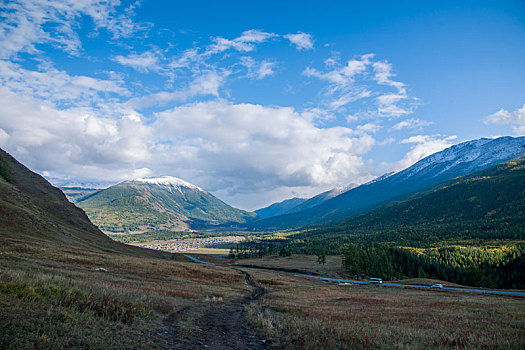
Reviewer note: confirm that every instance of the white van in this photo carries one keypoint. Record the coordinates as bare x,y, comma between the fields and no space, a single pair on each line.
375,281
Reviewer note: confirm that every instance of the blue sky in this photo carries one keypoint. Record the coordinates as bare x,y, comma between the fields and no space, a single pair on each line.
254,102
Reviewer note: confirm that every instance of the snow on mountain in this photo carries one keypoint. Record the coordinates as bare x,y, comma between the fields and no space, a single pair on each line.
462,159
468,157
379,178
170,182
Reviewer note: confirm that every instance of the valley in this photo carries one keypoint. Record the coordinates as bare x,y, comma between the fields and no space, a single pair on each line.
65,284
185,245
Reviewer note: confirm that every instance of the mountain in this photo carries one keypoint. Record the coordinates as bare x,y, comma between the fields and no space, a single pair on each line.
77,194
294,205
321,198
486,205
32,210
159,203
461,159
279,208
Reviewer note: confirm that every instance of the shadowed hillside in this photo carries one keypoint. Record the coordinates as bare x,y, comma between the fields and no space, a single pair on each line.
32,209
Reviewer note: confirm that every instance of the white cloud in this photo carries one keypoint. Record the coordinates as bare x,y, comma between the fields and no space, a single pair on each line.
411,123
424,145
383,73
265,69
80,142
206,83
342,76
186,59
144,62
302,41
368,128
519,130
58,86
505,117
244,43
367,82
515,119
27,23
257,70
247,148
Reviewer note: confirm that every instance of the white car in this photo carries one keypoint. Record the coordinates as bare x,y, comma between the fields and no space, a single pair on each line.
440,286
375,281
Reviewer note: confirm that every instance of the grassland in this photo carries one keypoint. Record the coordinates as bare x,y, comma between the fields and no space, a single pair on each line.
52,297
302,263
306,314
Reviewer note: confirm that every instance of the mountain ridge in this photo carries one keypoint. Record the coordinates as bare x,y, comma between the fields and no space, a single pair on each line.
165,203
461,159
488,204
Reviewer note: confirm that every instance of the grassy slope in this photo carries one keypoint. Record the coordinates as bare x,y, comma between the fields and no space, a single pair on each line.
33,210
52,297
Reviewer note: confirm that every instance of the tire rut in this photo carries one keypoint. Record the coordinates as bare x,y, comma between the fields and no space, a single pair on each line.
223,325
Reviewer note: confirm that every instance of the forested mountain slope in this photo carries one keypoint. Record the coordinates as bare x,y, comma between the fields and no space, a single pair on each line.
486,205
462,159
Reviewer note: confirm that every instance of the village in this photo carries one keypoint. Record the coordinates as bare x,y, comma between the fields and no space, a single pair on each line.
193,244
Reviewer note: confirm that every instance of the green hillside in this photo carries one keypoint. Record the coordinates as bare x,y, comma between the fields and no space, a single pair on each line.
470,230
489,204
137,206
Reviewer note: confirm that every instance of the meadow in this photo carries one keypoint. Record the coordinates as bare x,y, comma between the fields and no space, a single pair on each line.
301,313
54,296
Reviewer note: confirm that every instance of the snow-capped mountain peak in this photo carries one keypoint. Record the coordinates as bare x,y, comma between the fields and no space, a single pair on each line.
170,182
471,155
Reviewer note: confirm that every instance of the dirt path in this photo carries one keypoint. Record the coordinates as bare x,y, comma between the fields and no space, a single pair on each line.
222,326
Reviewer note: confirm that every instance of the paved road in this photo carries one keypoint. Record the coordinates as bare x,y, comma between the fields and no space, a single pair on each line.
198,260
503,292
487,291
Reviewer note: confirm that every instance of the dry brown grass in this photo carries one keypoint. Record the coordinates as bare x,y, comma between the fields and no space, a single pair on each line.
300,313
51,297
306,263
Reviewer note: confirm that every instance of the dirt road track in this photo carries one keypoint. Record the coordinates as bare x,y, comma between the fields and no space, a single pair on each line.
222,327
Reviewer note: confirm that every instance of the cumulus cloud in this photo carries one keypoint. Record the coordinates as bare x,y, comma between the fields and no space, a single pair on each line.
302,41
515,119
251,148
504,117
423,146
76,140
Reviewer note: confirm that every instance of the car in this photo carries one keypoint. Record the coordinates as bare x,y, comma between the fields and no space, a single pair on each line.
439,285
375,281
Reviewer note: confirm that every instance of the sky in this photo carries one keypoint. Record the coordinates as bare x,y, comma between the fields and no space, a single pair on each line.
255,102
